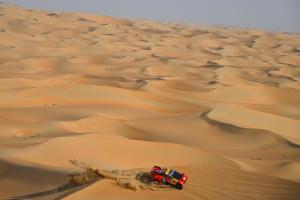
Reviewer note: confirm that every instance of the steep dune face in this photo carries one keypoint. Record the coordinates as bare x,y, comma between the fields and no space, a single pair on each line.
221,104
21,179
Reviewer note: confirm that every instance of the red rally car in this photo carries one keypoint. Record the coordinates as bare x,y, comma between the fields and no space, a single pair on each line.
169,176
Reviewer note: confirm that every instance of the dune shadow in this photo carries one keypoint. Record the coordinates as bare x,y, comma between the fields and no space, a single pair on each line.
236,130
56,193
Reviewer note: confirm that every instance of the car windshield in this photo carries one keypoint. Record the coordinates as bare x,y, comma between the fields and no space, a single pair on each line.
176,175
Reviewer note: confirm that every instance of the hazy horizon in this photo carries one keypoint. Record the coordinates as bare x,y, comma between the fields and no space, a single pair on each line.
271,15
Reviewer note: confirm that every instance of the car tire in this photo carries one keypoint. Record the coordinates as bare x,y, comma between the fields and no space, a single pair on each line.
178,186
164,180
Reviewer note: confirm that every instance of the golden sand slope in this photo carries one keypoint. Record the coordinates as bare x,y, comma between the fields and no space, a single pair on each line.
222,104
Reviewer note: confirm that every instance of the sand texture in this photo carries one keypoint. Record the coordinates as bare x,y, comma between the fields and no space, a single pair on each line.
102,100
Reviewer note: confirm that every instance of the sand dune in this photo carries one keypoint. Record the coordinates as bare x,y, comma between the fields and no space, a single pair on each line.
44,181
120,95
247,118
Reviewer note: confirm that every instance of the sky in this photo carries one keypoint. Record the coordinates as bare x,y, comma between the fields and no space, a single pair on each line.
272,15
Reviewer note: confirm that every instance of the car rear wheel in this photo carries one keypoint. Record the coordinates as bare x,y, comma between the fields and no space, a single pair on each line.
164,180
178,186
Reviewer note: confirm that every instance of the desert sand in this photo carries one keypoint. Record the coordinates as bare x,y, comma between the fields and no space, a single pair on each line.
79,91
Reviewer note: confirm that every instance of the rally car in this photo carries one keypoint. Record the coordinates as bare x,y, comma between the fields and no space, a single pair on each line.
169,176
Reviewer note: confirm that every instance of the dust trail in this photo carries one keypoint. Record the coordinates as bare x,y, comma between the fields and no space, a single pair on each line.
133,179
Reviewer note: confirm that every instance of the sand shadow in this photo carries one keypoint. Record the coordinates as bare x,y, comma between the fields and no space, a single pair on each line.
56,193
